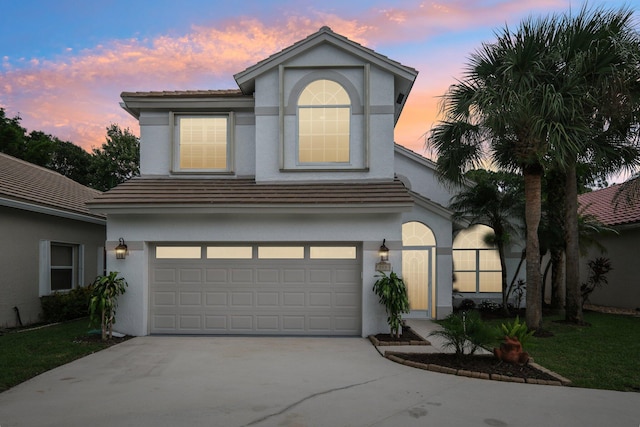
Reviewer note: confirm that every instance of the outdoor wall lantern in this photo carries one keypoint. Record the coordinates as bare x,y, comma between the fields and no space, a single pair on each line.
121,249
383,264
384,252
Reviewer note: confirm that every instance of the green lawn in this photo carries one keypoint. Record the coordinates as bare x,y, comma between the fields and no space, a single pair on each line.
605,355
26,354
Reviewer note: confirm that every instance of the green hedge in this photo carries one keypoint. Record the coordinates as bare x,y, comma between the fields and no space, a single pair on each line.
61,306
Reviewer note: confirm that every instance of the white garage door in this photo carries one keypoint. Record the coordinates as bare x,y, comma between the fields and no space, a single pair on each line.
255,289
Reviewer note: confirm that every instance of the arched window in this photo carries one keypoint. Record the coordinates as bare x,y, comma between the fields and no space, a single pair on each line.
419,267
324,113
476,264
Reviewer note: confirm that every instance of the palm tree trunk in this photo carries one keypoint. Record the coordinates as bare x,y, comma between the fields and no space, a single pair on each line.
558,292
572,268
532,194
503,266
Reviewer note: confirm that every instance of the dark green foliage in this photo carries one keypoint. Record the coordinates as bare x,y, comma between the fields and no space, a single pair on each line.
104,301
393,295
61,306
516,329
465,332
598,270
116,161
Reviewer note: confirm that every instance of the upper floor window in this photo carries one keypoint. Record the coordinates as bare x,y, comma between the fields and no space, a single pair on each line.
476,263
324,116
202,143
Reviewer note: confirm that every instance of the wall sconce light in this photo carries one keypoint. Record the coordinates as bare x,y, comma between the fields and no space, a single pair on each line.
121,249
384,252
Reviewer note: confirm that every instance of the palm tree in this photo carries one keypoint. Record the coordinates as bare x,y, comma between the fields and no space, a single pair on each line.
496,200
602,56
527,99
505,108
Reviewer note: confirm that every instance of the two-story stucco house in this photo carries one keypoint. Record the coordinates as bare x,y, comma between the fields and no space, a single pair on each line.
262,210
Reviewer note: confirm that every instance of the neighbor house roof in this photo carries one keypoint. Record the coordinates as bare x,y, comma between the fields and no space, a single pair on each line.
601,204
229,195
30,187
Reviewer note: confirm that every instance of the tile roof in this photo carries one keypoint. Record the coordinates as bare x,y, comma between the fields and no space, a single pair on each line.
321,31
221,93
600,203
246,192
25,183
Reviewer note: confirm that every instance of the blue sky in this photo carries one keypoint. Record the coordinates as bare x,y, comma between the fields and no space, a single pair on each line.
64,63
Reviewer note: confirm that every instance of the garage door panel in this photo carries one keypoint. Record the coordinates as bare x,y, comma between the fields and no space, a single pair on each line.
242,275
268,323
190,322
320,277
164,275
268,299
255,296
293,299
268,276
217,275
190,275
216,299
164,298
320,299
347,299
241,323
319,324
291,276
215,323
190,299
241,299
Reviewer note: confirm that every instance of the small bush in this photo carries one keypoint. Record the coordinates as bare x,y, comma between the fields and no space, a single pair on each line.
465,332
489,306
62,306
467,304
517,330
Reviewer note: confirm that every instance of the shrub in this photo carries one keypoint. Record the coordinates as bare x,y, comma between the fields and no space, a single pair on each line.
598,270
62,306
465,332
489,306
104,301
467,304
516,330
393,295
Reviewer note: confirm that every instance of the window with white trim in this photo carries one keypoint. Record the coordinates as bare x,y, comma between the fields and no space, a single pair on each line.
202,143
324,120
61,266
476,264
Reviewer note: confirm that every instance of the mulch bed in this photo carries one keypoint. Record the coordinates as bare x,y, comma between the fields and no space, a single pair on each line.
481,364
408,337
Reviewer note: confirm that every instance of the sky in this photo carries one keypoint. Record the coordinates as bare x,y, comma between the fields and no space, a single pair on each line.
64,63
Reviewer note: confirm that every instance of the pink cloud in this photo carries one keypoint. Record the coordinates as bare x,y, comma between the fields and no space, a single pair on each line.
76,96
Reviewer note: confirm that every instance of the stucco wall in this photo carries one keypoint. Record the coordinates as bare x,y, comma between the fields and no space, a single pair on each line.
623,289
21,233
371,146
366,230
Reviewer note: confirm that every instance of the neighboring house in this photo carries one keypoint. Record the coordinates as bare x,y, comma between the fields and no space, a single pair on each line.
49,241
262,210
623,289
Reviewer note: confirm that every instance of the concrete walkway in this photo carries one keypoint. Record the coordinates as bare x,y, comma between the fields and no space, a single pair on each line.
233,381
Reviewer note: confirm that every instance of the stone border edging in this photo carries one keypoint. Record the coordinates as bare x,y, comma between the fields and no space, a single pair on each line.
379,343
561,381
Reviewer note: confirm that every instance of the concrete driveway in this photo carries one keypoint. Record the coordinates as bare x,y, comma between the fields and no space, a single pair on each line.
232,381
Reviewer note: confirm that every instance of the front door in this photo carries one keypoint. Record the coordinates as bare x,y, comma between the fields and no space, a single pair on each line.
418,268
